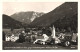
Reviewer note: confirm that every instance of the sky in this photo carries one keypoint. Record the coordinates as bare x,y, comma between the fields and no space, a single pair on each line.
10,8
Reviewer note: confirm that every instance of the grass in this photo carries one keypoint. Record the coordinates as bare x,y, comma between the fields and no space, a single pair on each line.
8,31
30,46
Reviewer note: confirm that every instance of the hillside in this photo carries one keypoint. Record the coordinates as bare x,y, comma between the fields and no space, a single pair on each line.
8,22
62,16
69,22
26,17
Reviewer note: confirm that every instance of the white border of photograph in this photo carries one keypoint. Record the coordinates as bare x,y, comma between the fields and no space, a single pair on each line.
1,7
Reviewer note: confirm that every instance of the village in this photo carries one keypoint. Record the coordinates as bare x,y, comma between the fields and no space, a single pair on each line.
38,37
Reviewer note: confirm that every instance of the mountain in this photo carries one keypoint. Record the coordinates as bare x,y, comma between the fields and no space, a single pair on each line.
26,17
63,16
8,22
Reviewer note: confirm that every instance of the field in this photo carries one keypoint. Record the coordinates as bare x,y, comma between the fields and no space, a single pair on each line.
8,31
30,46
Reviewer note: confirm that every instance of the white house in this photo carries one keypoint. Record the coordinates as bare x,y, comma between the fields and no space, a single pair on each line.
12,38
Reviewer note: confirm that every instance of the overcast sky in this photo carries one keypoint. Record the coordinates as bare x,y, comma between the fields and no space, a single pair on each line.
10,8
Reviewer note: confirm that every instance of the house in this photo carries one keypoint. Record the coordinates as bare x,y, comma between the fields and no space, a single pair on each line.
12,38
7,38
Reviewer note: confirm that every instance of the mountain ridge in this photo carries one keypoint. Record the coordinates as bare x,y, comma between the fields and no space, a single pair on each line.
26,17
60,17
